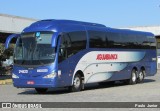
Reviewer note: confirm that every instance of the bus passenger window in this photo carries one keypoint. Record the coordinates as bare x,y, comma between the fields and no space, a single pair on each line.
62,50
72,43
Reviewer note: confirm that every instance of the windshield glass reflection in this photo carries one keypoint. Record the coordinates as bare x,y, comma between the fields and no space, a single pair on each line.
34,49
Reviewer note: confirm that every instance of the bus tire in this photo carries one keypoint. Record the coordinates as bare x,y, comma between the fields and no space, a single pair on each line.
141,76
133,79
41,90
77,84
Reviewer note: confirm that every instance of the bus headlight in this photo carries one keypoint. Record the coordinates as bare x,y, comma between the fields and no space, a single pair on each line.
52,75
14,76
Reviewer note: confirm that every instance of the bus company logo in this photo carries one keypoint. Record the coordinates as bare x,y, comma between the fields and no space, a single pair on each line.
107,57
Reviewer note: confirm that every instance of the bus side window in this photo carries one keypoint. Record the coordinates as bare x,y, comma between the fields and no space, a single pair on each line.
72,43
63,48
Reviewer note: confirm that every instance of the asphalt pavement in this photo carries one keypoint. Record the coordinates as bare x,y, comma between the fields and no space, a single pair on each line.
148,91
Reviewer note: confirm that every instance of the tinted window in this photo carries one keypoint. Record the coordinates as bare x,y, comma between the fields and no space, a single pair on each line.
152,42
78,41
141,42
97,39
71,43
113,40
100,39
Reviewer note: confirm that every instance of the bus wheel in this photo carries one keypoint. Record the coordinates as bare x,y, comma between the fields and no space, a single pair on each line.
141,76
133,78
77,84
41,90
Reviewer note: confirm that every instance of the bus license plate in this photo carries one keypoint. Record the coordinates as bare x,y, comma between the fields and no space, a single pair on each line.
30,82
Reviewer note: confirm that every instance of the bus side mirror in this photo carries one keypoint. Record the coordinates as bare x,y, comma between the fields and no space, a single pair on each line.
9,38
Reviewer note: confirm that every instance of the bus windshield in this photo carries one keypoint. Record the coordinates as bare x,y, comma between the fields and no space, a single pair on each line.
34,49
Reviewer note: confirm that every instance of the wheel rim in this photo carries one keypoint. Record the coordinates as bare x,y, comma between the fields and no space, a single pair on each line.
141,75
77,82
133,76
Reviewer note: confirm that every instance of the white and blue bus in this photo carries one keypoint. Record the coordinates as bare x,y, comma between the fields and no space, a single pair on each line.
64,53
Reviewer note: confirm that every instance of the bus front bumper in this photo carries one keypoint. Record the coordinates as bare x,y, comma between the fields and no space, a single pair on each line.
34,83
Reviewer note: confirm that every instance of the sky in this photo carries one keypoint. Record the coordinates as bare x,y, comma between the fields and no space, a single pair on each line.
112,13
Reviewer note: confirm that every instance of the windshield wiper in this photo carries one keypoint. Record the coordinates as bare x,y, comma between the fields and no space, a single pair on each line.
40,62
23,61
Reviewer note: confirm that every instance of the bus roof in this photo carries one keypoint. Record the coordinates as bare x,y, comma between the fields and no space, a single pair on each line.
49,24
73,22
128,31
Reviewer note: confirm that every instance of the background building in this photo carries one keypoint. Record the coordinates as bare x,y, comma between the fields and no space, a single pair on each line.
14,24
11,24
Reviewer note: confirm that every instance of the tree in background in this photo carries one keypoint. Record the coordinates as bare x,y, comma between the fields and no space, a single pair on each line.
4,55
